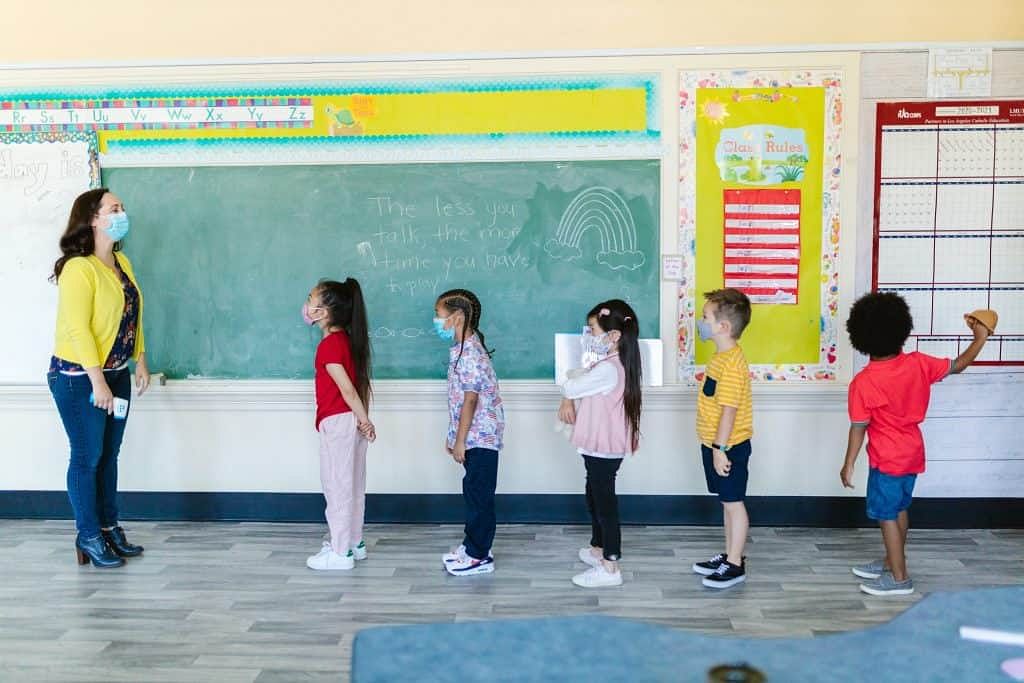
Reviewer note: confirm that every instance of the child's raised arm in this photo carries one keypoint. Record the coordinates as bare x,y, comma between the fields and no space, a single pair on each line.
964,360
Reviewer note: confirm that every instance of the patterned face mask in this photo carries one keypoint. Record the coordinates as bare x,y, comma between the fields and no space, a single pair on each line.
594,347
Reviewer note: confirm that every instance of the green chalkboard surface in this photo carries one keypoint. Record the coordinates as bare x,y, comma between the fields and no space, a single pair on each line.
226,256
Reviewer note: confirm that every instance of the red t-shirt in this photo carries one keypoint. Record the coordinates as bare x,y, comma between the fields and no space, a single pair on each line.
891,397
334,348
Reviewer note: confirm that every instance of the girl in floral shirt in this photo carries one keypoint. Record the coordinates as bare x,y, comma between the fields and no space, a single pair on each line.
476,424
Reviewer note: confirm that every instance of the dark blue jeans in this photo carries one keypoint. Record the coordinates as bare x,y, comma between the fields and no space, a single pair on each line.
95,439
478,486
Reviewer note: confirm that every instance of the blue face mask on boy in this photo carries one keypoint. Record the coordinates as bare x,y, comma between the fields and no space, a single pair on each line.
445,334
118,227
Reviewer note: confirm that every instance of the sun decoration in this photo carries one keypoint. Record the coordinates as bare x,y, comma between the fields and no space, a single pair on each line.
714,111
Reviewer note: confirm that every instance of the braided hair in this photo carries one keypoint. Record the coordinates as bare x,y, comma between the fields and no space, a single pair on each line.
468,304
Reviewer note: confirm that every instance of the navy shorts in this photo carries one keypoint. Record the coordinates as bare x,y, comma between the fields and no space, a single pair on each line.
888,495
733,488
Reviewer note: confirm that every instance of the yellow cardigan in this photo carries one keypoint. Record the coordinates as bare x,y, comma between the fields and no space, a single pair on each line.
89,310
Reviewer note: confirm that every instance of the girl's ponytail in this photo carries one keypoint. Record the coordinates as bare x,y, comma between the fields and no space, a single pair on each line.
347,310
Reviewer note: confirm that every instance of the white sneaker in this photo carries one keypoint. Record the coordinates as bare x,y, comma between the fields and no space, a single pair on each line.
467,566
453,555
359,551
597,577
587,557
331,561
325,547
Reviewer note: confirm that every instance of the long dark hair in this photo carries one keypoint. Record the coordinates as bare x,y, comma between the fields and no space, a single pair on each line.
77,239
616,314
343,302
467,302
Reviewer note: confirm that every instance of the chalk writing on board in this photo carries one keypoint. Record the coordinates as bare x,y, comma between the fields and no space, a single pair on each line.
603,210
406,232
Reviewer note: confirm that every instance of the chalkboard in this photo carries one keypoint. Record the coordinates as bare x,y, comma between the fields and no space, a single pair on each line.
226,255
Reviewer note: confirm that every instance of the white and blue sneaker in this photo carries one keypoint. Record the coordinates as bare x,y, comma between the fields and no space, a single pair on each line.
468,566
457,554
359,551
454,555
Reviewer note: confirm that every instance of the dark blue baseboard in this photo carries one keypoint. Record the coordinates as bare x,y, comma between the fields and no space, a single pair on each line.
434,508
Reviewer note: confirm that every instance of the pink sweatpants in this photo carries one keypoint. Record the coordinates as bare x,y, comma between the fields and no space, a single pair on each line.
343,477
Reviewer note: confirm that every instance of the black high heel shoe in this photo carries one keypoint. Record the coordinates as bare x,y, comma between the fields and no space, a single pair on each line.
115,538
97,550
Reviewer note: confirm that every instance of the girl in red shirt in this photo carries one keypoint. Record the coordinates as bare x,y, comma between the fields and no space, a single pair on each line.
342,378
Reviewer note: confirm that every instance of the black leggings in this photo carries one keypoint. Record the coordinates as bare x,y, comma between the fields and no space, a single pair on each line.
603,505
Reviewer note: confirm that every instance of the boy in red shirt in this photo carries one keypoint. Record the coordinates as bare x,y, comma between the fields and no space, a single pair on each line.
888,399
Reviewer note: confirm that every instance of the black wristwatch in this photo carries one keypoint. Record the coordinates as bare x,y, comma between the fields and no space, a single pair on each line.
720,447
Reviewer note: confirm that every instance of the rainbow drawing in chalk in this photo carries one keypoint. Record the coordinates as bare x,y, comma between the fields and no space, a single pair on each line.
603,210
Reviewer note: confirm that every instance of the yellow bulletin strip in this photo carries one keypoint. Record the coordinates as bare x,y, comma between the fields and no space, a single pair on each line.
559,111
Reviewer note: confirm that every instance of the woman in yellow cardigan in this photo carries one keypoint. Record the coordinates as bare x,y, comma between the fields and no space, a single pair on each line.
99,329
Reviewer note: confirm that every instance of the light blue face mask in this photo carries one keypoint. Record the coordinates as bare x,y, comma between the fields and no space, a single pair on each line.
445,334
704,330
119,226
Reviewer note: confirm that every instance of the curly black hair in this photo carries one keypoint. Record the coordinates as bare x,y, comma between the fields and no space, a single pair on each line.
879,324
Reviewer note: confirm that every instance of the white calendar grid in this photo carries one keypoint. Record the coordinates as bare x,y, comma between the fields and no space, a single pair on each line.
950,230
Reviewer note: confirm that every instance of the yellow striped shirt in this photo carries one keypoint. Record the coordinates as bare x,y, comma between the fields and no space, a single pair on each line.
726,383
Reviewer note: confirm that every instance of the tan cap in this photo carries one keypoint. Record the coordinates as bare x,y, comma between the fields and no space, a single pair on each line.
986,317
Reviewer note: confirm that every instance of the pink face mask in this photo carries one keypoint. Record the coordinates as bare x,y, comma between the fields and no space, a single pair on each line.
305,314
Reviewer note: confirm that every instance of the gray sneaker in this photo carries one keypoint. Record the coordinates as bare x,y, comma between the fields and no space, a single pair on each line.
871,570
887,585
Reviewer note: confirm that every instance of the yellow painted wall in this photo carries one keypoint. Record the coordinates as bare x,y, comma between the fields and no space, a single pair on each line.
144,30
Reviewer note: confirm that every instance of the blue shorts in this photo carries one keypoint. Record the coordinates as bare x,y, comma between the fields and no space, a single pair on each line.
733,488
889,495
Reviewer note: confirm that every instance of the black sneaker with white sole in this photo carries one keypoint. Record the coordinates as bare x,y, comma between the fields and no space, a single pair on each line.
711,566
727,574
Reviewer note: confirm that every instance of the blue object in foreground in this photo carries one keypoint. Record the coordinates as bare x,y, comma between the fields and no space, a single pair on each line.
922,644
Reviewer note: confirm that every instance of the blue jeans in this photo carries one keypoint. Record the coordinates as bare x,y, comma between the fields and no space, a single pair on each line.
95,439
478,485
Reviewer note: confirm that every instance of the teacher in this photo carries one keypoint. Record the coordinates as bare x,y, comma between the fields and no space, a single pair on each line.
99,329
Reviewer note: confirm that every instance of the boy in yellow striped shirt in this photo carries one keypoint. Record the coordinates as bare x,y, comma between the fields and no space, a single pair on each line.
725,424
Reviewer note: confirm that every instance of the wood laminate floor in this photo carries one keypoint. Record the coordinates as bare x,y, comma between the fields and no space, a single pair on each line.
232,602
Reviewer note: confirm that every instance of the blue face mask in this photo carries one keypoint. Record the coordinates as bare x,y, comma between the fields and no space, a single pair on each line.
118,228
704,330
445,334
